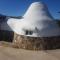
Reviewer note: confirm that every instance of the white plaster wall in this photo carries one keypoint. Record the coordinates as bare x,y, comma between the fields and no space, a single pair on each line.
37,16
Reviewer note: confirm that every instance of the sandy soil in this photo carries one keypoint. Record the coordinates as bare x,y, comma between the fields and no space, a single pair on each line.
8,53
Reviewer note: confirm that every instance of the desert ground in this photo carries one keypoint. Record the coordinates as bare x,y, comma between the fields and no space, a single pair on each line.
10,53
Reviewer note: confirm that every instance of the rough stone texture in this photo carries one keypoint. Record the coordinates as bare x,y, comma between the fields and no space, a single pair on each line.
36,43
6,35
32,43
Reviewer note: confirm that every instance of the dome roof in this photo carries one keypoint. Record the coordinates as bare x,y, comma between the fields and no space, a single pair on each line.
38,10
37,22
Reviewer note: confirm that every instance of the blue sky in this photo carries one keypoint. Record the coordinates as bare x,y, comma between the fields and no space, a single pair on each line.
19,7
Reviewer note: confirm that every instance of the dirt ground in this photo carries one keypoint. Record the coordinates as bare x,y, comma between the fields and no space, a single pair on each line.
9,53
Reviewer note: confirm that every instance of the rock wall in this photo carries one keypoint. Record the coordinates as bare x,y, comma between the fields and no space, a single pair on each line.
36,43
31,43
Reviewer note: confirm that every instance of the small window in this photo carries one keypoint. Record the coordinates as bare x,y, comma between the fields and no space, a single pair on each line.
28,32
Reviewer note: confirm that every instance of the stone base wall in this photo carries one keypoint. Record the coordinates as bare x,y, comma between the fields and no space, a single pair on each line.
6,35
36,43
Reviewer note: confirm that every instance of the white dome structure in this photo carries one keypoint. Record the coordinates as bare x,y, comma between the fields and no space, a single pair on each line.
37,30
36,22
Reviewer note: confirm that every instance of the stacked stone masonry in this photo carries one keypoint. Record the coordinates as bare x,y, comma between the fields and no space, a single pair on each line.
36,43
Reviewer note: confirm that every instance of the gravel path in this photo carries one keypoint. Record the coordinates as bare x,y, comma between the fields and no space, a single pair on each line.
8,53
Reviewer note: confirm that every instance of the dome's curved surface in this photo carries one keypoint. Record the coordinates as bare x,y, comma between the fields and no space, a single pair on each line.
37,22
38,10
